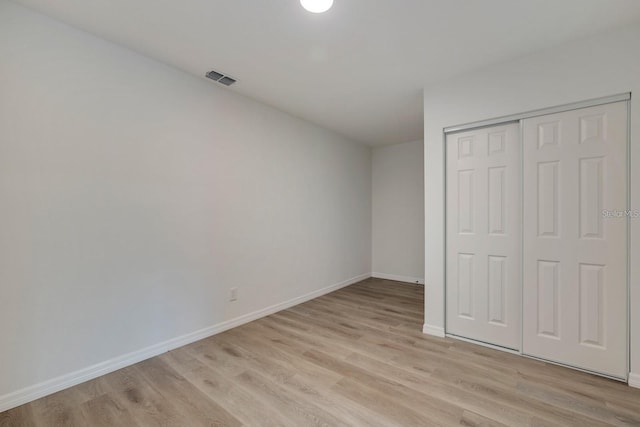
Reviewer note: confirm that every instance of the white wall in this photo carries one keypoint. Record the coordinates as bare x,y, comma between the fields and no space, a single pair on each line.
134,196
398,212
600,66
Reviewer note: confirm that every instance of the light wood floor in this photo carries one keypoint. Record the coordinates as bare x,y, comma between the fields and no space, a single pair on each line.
355,357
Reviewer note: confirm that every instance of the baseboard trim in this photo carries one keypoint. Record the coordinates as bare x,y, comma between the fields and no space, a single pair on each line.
250,317
31,393
45,388
436,331
398,278
634,380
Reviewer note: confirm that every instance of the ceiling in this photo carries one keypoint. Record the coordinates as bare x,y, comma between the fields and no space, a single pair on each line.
358,69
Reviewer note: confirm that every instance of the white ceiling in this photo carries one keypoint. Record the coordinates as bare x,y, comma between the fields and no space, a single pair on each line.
358,69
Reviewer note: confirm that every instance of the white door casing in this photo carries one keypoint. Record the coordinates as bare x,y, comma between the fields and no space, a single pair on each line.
484,235
575,257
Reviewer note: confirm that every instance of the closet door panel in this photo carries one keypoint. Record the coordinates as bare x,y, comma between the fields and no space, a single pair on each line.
574,260
484,235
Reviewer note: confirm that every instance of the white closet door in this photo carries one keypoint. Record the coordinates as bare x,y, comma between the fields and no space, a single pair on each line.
484,235
574,263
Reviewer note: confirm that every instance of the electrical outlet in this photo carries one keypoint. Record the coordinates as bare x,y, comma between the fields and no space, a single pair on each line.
233,294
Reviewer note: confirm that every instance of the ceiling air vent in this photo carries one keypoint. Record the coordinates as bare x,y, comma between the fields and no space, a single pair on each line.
226,80
220,78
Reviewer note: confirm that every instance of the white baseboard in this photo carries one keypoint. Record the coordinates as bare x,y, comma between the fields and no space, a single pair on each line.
436,331
398,278
250,317
634,380
30,393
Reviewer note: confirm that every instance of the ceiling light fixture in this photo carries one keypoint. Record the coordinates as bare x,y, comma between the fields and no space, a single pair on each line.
317,6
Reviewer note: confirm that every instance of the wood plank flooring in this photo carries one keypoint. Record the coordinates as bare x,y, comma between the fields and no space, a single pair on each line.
355,357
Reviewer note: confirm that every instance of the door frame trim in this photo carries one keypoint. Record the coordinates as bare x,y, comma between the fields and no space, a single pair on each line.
626,96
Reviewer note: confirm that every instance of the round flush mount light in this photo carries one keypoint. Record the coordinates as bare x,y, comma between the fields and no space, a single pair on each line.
317,6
